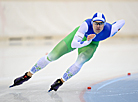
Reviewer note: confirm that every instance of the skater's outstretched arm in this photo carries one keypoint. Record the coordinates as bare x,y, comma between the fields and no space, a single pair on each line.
116,26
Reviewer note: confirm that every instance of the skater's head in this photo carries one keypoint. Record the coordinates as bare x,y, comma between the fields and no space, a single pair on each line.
98,17
98,22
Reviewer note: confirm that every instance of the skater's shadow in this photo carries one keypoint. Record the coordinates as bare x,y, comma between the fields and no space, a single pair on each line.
54,96
18,97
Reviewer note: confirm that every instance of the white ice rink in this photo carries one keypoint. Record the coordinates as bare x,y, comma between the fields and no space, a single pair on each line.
105,73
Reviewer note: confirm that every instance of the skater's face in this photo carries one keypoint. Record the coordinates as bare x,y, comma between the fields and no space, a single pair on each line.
98,26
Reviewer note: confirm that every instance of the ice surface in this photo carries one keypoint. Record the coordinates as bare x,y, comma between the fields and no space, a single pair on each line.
114,58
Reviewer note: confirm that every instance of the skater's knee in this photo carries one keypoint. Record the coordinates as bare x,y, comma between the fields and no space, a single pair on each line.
82,58
52,57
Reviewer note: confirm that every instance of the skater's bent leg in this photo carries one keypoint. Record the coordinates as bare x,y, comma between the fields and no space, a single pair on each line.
59,50
85,54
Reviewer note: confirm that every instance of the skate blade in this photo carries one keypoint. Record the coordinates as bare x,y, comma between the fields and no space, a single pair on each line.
49,90
12,85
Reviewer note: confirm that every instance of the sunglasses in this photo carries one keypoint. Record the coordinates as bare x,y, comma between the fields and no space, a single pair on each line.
98,23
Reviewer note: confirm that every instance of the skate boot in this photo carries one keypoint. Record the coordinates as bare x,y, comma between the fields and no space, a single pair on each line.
20,80
56,85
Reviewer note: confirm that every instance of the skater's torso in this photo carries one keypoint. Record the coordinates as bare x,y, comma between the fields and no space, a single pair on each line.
104,34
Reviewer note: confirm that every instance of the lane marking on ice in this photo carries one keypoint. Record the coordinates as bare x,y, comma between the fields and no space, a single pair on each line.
110,82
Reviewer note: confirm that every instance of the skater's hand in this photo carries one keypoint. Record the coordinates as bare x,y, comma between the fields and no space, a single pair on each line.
91,36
